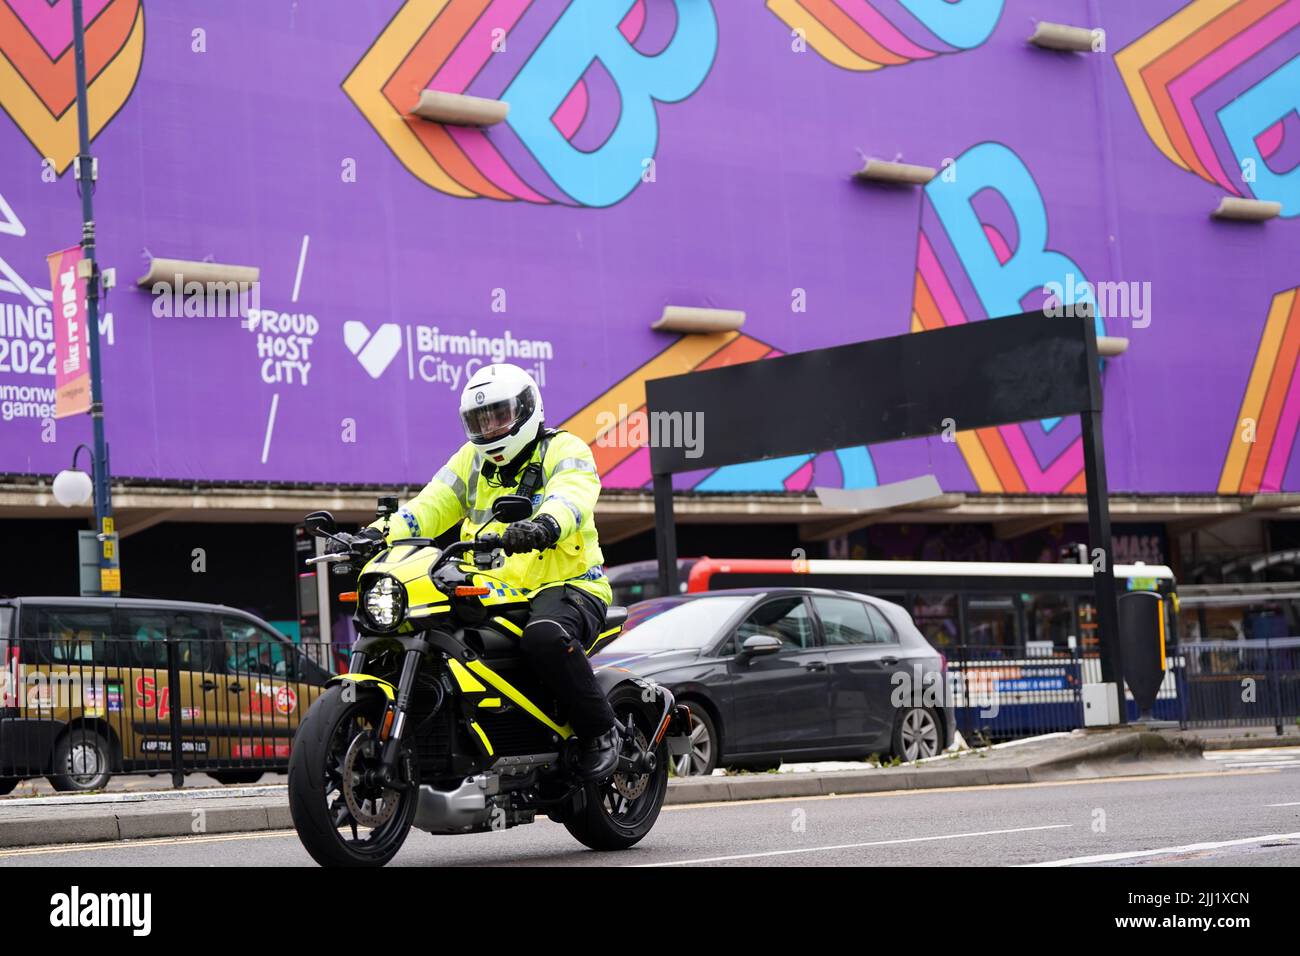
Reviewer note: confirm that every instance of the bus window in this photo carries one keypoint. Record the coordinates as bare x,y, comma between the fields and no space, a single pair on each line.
992,621
936,617
1049,621
1085,620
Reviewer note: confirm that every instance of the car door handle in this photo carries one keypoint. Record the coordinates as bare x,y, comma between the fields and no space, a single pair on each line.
889,660
208,685
236,688
815,666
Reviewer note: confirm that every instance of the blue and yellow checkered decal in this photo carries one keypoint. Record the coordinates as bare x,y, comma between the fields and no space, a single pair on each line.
502,590
500,593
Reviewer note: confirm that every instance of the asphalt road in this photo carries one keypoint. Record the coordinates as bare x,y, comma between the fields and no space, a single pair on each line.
1247,816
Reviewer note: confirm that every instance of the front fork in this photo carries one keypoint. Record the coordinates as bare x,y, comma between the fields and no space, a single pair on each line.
393,724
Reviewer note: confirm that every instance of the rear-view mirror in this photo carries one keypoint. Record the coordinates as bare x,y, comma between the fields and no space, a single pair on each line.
510,508
320,524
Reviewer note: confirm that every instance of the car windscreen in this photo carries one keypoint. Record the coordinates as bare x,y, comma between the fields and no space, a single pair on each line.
676,623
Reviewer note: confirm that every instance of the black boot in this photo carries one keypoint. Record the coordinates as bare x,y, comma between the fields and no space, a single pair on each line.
599,757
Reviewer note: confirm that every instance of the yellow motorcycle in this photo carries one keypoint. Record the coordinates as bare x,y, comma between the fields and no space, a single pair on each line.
440,724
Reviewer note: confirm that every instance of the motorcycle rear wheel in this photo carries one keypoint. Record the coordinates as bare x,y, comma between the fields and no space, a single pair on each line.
340,819
619,812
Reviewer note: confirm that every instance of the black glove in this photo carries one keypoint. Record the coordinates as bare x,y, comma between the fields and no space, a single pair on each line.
367,541
535,535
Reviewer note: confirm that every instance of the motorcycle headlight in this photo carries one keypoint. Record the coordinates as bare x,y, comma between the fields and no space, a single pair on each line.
385,603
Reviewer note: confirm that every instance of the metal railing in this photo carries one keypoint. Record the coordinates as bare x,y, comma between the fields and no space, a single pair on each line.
78,709
1002,693
999,693
1246,682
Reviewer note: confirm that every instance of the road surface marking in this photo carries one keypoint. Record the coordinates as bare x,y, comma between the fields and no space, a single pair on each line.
856,846
135,844
1280,757
1164,851
711,804
1296,804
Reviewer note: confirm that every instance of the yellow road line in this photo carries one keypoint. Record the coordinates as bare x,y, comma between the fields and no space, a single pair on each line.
132,844
984,786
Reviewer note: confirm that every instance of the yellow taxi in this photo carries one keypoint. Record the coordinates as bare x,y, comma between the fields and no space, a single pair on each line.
90,687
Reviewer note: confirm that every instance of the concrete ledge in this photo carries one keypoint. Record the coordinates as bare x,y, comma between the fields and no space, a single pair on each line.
165,823
1135,745
39,832
278,817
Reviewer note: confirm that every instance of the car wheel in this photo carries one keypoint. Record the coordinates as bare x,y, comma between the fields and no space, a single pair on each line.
230,777
84,760
702,758
916,734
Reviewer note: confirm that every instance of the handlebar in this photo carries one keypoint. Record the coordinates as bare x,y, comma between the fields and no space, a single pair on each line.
483,544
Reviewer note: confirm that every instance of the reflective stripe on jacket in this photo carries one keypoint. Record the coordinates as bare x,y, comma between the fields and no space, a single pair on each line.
570,487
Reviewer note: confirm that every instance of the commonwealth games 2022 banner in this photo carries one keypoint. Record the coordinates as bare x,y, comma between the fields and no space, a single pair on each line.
655,152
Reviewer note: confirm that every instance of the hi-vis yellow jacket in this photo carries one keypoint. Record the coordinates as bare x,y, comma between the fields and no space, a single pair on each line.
570,487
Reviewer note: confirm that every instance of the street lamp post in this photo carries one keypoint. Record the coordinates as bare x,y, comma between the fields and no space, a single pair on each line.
109,575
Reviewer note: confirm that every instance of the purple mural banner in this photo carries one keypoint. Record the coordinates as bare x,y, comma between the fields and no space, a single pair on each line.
655,153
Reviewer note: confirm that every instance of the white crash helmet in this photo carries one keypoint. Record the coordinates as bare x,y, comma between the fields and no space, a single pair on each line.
501,410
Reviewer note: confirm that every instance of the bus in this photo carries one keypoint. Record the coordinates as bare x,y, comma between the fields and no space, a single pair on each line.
1020,639
1022,608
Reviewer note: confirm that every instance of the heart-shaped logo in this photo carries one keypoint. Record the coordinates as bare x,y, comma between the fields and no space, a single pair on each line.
374,352
37,70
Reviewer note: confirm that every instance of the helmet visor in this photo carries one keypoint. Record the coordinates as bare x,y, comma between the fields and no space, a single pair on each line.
494,420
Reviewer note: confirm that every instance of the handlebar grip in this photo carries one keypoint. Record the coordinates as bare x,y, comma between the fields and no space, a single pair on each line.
487,542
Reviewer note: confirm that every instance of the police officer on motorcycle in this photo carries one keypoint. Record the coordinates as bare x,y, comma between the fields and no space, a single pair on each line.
554,556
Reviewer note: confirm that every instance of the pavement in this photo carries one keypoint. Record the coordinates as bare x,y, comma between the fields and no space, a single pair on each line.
138,813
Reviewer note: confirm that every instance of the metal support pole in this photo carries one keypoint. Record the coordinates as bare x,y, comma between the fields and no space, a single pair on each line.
665,534
1103,573
108,557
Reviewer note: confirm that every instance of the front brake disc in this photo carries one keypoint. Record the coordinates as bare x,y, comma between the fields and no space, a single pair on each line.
370,806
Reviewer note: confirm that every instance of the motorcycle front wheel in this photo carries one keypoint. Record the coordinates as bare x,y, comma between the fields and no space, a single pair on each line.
341,817
619,812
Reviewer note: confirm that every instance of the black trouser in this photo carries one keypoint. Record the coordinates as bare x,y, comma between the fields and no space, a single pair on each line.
564,621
